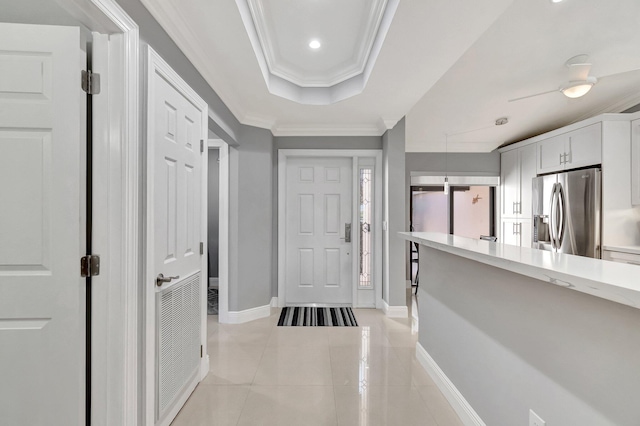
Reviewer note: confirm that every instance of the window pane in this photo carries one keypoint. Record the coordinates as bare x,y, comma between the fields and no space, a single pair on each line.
430,211
471,212
366,219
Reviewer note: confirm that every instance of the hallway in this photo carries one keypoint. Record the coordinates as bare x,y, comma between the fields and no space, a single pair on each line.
262,374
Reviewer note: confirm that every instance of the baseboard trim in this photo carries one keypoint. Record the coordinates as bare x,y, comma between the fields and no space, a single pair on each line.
464,410
240,317
274,302
394,311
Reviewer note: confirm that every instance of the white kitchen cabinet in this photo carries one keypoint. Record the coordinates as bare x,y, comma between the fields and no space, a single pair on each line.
550,154
517,169
516,232
635,162
579,148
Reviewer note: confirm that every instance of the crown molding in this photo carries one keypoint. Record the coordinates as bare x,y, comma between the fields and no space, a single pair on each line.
191,46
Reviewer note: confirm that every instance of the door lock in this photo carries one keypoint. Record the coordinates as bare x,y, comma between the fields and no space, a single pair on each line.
161,279
347,233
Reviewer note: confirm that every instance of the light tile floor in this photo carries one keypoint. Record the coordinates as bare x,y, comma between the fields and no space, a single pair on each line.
262,374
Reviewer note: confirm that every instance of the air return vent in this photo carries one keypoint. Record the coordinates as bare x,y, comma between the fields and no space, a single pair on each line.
178,340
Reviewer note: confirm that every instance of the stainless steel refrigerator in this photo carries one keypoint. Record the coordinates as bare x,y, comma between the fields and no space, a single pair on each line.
567,212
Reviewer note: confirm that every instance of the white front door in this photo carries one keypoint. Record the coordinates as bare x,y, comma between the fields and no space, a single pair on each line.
42,296
175,299
318,214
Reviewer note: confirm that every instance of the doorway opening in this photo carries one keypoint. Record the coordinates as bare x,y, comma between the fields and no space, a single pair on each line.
213,226
467,211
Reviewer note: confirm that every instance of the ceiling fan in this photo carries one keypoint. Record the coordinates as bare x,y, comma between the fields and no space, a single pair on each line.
580,82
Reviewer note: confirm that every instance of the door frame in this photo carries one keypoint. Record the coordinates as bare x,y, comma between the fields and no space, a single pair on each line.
115,384
223,233
156,65
354,154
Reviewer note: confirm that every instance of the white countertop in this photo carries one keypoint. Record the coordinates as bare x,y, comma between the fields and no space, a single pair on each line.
613,281
624,249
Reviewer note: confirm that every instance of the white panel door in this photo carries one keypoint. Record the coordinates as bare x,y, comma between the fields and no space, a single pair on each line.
42,296
319,205
174,304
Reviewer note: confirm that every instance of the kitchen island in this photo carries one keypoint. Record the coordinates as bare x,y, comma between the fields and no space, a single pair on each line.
505,329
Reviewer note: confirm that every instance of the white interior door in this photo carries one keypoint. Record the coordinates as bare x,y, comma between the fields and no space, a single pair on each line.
42,296
318,209
176,127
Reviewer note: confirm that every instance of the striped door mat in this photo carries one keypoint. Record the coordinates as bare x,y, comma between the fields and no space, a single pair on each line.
317,317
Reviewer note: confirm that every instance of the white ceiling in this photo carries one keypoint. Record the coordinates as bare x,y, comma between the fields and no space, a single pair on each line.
448,65
285,28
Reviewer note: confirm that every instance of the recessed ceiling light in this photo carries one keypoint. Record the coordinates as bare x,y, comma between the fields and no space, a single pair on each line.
556,1
314,44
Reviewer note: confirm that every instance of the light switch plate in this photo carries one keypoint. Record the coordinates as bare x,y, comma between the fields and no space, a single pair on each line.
384,225
535,420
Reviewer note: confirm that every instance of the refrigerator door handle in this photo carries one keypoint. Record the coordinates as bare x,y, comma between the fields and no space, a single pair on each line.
552,216
563,215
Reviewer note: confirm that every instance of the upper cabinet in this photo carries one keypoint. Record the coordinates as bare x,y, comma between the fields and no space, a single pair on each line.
635,162
578,148
517,169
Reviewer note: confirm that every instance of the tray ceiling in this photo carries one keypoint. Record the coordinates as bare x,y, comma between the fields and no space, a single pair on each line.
449,66
349,34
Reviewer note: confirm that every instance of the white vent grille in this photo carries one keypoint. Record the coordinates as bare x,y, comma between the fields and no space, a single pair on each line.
178,340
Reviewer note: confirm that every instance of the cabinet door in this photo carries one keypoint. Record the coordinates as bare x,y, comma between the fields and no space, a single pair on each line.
584,147
525,232
551,154
509,232
516,232
635,162
510,182
527,173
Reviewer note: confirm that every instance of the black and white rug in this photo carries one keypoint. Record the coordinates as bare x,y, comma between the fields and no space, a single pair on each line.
317,317
212,301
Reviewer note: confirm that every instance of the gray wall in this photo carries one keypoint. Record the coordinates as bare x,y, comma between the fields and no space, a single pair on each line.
213,204
460,164
250,217
328,142
393,164
510,343
153,34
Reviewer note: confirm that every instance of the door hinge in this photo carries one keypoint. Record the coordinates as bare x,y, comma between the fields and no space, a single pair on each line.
201,248
90,82
201,351
201,145
90,266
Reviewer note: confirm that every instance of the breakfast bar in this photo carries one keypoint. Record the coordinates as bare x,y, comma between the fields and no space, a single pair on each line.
505,331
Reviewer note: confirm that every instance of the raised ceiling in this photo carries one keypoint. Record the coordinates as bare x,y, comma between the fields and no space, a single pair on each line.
348,35
449,66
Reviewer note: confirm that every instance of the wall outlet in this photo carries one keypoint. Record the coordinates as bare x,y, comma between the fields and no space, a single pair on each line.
535,420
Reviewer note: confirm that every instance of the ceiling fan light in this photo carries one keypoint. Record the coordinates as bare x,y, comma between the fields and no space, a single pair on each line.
577,91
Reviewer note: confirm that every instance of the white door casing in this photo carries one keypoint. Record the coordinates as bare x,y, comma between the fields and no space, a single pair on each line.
372,159
42,302
223,229
176,227
319,208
